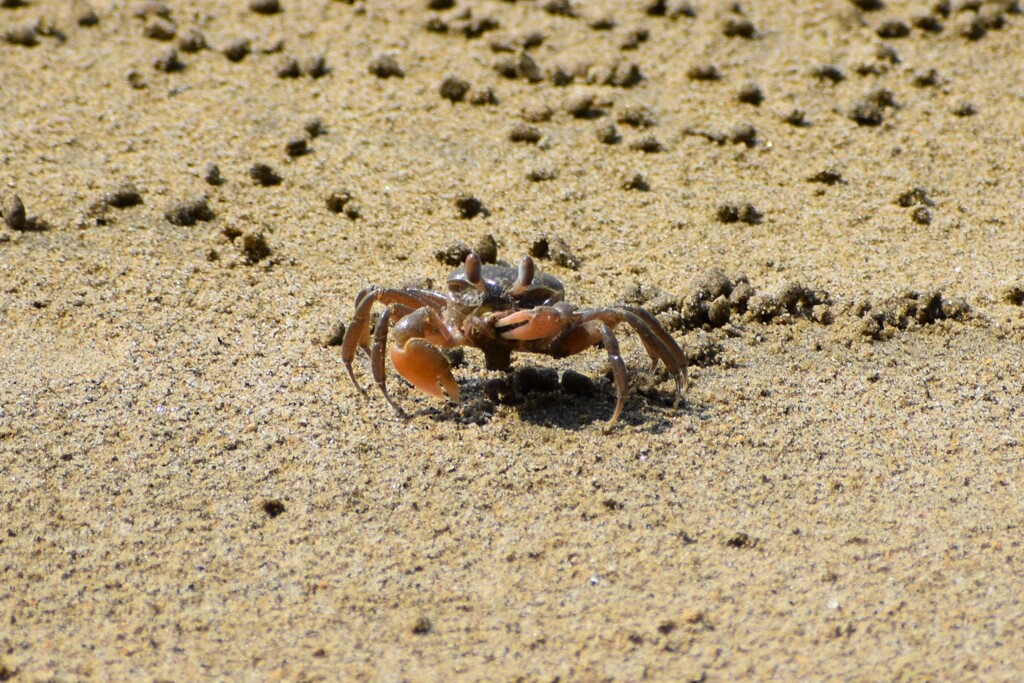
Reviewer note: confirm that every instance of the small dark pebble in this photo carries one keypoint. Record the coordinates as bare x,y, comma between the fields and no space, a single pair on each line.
925,78
189,212
964,109
828,72
638,116
741,27
893,28
577,384
152,8
337,335
264,175
538,175
386,65
255,247
288,67
656,8
238,50
741,540
314,127
440,4
917,196
740,296
704,72
743,133
168,62
14,214
191,41
581,106
436,24
867,113
159,28
315,66
713,283
973,29
273,508
796,117
532,39
469,206
422,626
454,88
626,75
608,134
719,311
524,132
487,248
764,306
555,248
265,6
454,254
85,15
927,22
211,174
868,5
635,181
297,147
635,38
482,96
731,212
1013,293
921,215
561,76
123,196
529,69
750,93
24,35
477,26
562,8
648,144
507,66
337,200
829,176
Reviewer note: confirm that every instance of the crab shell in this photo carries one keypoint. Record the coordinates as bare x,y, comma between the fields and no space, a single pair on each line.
478,289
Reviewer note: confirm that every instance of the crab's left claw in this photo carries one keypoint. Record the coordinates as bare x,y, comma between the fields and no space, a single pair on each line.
540,322
426,368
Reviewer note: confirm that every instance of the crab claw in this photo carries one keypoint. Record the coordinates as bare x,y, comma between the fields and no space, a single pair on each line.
426,368
543,321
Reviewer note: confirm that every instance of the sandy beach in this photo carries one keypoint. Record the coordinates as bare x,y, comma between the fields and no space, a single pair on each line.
822,203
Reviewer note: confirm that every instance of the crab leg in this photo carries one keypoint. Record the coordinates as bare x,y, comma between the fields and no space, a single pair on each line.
380,342
658,343
358,333
581,337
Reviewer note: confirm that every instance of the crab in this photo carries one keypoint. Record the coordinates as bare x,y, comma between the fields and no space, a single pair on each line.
500,310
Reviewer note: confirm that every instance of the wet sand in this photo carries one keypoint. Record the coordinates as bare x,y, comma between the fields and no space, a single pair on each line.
822,204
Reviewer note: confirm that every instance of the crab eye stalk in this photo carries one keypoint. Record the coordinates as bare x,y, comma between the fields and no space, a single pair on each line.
473,275
525,278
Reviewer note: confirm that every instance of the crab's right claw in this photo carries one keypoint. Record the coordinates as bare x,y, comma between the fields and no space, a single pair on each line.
540,322
426,368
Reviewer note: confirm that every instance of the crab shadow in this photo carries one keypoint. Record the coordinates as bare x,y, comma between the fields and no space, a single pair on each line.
571,401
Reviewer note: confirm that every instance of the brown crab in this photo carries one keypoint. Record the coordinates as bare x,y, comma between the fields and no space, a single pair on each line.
499,310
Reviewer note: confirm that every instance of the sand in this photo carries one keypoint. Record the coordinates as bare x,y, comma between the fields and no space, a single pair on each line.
822,202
